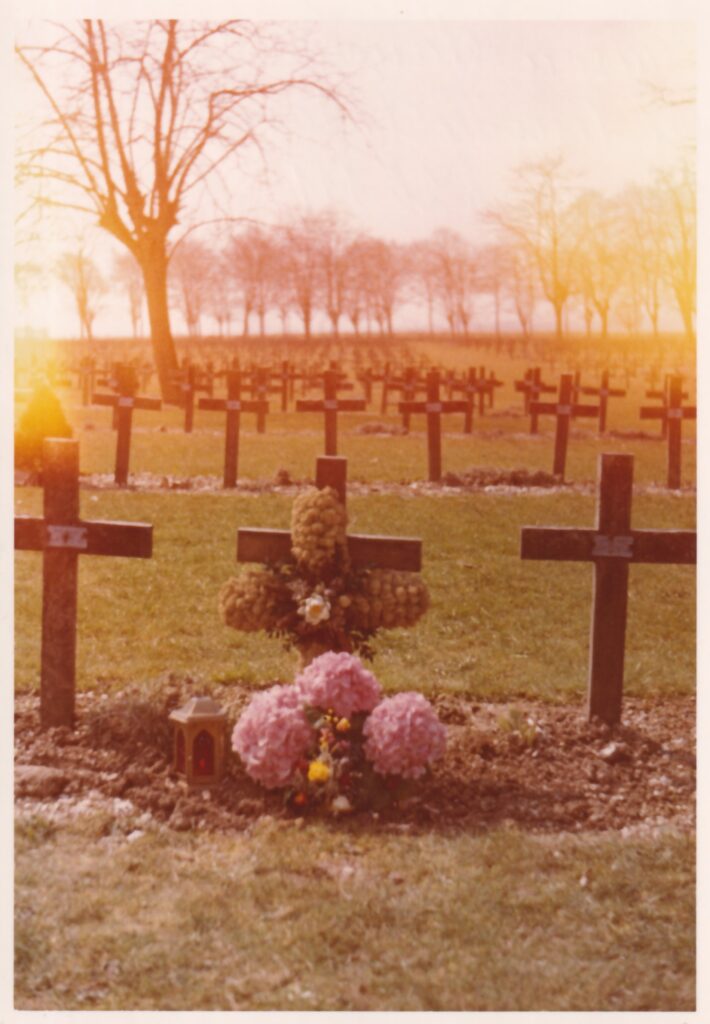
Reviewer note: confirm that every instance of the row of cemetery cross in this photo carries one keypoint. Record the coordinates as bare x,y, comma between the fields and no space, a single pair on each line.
432,394
611,546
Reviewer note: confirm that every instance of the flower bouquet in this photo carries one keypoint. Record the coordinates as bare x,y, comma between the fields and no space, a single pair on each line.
333,742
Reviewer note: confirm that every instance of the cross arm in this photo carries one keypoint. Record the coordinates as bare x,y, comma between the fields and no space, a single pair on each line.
545,408
678,547
564,544
104,399
263,545
585,410
213,404
127,540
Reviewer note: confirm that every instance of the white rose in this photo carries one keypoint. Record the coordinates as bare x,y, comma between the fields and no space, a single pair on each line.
315,609
341,805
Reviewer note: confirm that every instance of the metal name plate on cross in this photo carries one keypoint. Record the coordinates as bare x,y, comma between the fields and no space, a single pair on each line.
366,551
62,536
612,547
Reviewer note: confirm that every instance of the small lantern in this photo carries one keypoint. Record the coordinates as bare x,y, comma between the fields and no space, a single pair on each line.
199,741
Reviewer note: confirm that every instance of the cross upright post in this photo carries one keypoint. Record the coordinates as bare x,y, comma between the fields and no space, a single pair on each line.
330,404
386,380
187,386
123,405
612,546
673,413
408,392
563,409
260,390
62,536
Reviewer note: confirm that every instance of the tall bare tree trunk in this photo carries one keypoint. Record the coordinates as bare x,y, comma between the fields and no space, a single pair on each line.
155,278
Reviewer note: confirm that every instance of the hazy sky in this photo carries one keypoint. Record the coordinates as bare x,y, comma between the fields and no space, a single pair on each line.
445,111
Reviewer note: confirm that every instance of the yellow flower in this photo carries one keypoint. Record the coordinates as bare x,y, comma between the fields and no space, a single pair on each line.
318,772
343,725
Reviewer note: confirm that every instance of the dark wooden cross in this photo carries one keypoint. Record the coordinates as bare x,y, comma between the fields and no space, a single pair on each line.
434,407
486,388
664,394
87,374
407,386
387,377
672,413
62,536
469,389
261,388
234,406
564,408
366,378
532,387
604,392
331,405
187,383
123,404
366,551
612,546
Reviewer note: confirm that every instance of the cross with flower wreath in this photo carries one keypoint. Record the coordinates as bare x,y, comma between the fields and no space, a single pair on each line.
319,587
365,550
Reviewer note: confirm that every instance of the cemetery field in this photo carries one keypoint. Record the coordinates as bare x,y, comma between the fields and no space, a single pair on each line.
547,863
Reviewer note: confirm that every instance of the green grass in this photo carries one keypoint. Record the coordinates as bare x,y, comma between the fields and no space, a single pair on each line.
329,919
498,627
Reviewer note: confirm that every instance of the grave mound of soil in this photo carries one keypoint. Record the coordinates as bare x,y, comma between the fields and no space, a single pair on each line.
541,767
477,478
390,429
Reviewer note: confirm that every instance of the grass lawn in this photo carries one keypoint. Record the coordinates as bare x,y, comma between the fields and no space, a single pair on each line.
498,627
324,918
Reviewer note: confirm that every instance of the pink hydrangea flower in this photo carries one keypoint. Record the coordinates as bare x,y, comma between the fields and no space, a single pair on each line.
402,735
339,681
272,735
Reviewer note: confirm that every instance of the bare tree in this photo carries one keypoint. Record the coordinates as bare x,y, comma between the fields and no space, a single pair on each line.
191,276
519,283
142,115
540,220
302,248
252,260
82,277
598,264
29,280
127,273
643,242
422,261
334,265
456,280
676,193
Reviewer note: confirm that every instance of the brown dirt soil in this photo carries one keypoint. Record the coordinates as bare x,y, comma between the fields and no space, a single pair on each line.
541,767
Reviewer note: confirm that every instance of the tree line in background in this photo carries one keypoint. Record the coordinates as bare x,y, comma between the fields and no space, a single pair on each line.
608,261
